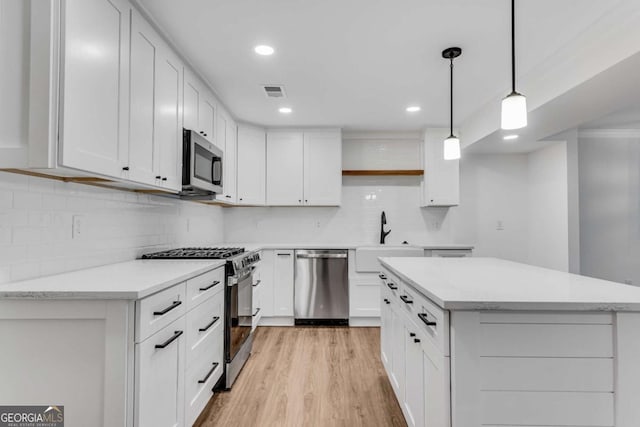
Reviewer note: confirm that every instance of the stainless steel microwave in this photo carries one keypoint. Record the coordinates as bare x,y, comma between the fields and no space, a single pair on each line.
201,165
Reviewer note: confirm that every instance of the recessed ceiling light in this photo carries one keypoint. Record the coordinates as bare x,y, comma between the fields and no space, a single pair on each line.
510,137
264,50
413,109
285,110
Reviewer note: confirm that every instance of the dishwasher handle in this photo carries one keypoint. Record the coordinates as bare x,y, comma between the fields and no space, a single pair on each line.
320,256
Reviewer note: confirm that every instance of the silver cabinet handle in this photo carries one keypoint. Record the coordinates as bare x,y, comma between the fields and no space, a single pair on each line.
320,256
256,313
257,283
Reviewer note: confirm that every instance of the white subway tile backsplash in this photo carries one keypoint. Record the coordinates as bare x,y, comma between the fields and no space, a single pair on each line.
36,226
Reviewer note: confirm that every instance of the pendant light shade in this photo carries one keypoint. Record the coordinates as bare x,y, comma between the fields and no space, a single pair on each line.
514,106
514,111
452,143
452,148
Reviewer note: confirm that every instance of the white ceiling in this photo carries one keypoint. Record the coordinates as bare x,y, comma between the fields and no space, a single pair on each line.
358,63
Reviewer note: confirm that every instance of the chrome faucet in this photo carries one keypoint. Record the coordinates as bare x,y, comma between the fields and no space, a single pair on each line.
383,222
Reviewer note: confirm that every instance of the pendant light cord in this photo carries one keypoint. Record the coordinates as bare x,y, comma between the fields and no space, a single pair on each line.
451,98
513,46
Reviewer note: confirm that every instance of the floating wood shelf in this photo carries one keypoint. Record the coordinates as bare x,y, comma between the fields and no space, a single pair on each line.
383,172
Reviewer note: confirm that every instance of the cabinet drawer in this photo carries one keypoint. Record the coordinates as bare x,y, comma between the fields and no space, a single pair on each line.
205,324
391,283
200,379
158,310
201,287
431,319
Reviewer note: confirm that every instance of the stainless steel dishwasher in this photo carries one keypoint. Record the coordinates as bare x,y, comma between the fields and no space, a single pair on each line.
321,294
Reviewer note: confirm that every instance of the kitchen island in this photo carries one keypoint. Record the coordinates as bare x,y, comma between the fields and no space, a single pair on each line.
487,342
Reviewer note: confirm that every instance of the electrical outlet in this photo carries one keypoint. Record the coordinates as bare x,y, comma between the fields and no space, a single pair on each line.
499,225
318,224
77,226
188,224
628,282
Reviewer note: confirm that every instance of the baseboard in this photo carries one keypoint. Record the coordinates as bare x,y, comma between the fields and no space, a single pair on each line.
364,321
276,321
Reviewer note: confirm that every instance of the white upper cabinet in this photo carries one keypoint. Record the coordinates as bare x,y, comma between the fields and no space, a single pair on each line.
143,161
285,168
155,94
322,168
191,101
441,184
168,119
226,139
199,108
251,165
304,168
95,86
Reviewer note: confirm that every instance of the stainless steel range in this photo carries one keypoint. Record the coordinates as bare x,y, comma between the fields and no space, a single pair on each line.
237,298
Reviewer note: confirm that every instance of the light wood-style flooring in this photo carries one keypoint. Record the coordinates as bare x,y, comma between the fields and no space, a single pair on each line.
309,376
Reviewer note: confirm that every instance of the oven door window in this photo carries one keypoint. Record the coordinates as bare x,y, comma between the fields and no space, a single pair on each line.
240,313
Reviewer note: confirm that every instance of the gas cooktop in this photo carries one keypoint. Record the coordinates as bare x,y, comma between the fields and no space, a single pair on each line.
196,253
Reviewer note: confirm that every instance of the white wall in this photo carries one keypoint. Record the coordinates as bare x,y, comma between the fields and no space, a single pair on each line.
493,210
610,205
493,189
36,218
548,207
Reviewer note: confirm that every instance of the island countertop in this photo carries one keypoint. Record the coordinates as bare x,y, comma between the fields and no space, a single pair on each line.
495,284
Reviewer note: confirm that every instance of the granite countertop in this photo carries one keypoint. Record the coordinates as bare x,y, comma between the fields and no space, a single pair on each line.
127,280
494,284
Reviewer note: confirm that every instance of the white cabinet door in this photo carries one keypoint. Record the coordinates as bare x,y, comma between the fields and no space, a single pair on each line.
230,159
283,283
168,123
96,88
251,165
266,283
143,155
207,116
284,168
386,323
398,348
191,103
159,383
414,378
322,168
441,183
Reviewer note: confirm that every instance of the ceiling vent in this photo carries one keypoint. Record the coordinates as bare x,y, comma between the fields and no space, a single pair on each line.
274,91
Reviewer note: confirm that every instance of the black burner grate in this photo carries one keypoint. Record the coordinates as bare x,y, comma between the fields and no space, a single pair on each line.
195,253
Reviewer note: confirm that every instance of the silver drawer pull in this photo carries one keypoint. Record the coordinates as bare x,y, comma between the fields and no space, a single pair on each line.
257,283
424,317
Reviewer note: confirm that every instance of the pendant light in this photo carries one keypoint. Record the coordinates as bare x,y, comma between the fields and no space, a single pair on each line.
514,106
452,143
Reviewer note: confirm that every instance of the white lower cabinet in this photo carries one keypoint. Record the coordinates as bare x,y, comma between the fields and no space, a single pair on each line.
283,273
177,366
159,385
414,354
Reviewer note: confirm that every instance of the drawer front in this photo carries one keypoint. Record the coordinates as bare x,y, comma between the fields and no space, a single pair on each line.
431,319
205,324
391,283
201,287
158,310
200,379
